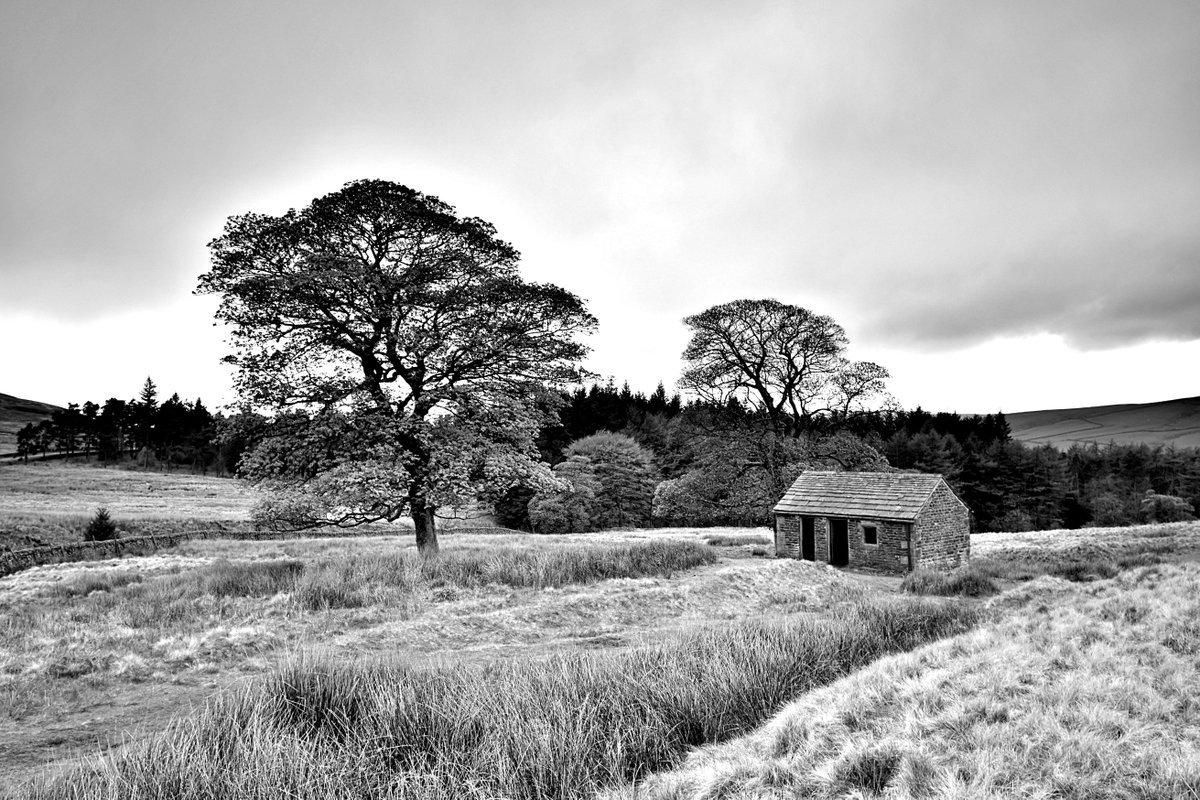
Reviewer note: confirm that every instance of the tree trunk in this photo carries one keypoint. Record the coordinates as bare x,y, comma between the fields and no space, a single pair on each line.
426,526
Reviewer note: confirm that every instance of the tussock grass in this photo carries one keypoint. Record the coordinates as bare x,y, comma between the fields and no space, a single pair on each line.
557,727
736,539
968,581
122,623
89,582
355,581
1075,691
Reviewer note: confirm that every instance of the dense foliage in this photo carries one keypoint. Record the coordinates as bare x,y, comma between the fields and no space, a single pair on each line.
400,355
721,464
608,483
713,465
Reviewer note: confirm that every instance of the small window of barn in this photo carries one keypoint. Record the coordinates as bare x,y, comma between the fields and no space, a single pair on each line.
870,534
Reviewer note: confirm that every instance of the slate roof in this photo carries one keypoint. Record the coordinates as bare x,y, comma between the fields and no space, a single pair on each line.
862,495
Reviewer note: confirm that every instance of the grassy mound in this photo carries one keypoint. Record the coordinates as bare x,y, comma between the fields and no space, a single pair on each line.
1076,691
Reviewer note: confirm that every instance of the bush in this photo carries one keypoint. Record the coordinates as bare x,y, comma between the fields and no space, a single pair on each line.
1165,508
101,528
968,581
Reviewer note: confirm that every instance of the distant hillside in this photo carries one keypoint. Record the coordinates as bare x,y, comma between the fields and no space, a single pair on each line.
15,413
1171,422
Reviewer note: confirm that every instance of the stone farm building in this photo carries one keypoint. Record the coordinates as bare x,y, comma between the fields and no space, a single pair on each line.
893,521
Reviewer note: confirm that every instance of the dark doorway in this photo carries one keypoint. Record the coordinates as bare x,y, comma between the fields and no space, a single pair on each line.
808,550
839,544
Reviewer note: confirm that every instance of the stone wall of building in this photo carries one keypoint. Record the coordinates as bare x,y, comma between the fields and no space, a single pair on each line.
942,532
821,540
787,536
889,554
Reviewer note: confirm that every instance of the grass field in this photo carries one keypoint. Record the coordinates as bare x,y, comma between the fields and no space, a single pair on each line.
556,727
636,663
45,503
92,653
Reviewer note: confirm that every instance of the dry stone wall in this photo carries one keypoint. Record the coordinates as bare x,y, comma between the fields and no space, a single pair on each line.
16,560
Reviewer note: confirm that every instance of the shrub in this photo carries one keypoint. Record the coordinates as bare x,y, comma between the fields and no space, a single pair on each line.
101,528
968,581
1165,508
284,511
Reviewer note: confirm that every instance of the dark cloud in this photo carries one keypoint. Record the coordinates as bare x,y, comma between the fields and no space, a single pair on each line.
1104,294
941,172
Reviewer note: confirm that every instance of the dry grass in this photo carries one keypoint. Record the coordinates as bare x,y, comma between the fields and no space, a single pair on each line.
738,539
560,727
112,645
136,619
968,581
1076,691
1082,555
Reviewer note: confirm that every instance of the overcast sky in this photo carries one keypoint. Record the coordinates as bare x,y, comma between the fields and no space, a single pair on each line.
999,201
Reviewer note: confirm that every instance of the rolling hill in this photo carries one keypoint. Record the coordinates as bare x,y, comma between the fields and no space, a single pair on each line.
15,413
1170,422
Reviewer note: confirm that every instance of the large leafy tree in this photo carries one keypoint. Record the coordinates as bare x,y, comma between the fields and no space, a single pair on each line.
400,352
783,361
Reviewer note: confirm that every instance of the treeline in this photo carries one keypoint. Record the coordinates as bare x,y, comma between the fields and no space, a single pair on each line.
172,434
626,459
630,459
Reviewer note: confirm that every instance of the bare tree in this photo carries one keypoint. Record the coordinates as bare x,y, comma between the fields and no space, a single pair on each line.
784,361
